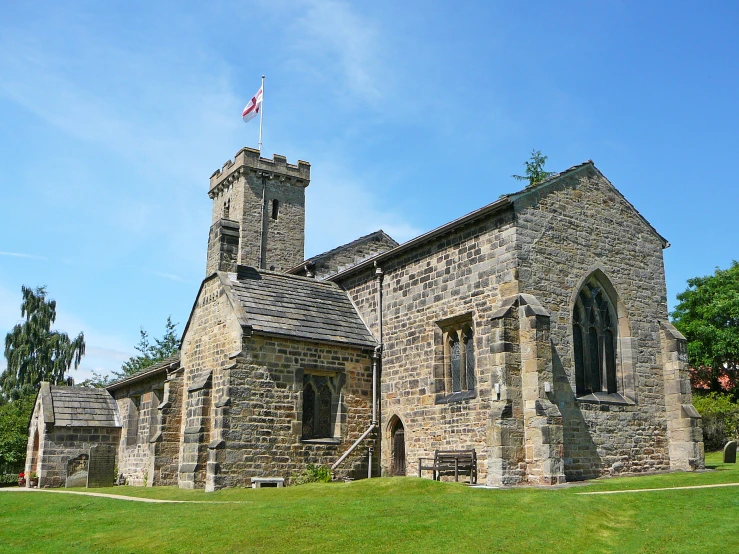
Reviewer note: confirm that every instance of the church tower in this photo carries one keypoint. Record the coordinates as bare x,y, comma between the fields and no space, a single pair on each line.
258,213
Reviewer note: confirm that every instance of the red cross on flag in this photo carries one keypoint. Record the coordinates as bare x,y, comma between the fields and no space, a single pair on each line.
254,106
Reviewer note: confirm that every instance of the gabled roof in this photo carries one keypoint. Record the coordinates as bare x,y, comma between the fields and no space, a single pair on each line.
506,201
542,185
78,407
281,304
159,367
347,255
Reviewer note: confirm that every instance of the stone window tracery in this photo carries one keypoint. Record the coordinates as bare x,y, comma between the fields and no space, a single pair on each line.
318,394
595,340
459,359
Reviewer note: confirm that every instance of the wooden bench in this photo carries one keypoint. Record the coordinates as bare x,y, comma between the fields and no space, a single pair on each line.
451,462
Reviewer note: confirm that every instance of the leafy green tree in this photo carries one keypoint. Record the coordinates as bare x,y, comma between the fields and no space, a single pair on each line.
14,417
163,348
34,352
534,169
708,316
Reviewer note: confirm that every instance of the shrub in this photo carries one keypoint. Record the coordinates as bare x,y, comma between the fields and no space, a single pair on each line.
312,474
720,419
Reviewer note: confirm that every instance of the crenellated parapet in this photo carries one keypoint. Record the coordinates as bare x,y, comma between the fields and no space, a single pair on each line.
249,160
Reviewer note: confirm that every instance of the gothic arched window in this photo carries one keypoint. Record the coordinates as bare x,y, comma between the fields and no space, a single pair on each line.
457,368
594,333
317,407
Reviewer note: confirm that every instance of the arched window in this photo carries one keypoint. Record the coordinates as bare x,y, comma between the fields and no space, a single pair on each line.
457,366
595,335
317,407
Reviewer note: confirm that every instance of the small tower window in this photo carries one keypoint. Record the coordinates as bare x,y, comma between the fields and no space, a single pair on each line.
227,209
275,208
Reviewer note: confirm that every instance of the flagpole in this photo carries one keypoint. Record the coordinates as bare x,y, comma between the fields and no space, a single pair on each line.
261,115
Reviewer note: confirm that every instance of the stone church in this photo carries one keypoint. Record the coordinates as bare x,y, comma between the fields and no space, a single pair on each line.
533,330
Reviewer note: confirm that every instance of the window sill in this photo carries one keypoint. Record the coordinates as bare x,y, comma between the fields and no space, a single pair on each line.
605,398
455,397
327,440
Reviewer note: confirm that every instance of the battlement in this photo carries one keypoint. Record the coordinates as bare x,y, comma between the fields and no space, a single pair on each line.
249,159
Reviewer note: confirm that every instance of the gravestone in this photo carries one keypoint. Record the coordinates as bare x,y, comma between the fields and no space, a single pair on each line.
730,452
101,468
77,471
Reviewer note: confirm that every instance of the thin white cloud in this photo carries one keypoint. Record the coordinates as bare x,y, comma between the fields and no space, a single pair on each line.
333,42
22,255
340,209
42,81
169,276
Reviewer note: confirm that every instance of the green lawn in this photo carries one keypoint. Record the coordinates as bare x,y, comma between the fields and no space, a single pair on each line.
387,515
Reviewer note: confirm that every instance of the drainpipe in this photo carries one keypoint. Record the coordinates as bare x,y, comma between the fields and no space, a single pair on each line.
376,358
378,349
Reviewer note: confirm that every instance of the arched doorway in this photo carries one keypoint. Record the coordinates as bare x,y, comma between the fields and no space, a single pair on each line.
398,442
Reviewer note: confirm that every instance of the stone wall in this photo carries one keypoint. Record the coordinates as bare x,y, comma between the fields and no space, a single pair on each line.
148,452
58,445
514,276
258,426
167,441
460,276
570,229
211,338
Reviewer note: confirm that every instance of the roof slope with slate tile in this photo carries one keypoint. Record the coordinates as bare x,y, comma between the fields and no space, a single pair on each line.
81,407
159,367
281,304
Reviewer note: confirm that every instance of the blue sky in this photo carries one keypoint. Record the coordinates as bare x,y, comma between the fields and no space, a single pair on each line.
113,115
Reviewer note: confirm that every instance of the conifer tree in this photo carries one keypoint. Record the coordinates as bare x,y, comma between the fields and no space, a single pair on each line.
534,169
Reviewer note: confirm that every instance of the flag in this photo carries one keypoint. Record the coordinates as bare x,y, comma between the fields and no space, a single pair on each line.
254,106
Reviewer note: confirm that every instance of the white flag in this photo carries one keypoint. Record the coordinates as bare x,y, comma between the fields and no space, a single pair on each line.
254,106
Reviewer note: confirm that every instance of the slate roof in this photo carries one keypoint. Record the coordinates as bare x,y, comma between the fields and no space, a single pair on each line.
282,304
503,203
81,407
146,372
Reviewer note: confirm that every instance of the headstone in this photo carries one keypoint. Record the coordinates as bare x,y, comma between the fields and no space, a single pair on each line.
101,469
730,452
77,471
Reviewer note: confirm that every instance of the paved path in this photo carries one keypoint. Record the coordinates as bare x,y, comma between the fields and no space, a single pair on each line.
667,489
120,497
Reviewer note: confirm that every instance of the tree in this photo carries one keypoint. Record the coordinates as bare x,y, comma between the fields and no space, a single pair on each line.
34,352
708,316
534,169
163,348
14,417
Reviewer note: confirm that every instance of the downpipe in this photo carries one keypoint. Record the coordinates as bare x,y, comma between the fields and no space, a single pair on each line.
376,358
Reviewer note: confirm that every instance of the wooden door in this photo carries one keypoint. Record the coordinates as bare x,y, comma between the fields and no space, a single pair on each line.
399,449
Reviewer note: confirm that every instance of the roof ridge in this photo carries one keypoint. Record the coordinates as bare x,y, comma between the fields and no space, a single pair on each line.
327,253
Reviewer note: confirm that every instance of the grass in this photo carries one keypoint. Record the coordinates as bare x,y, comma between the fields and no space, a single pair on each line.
387,515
